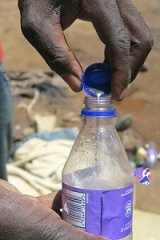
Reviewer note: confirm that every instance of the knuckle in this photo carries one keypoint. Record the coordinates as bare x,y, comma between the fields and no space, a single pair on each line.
123,45
44,229
31,21
29,24
122,41
147,41
62,230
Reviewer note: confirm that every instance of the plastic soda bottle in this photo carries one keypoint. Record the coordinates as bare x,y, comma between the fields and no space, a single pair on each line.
97,194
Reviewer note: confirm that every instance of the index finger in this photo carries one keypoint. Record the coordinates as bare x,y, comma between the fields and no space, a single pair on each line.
41,26
113,33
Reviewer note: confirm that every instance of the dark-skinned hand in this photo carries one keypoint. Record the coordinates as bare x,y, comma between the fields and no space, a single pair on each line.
28,218
118,24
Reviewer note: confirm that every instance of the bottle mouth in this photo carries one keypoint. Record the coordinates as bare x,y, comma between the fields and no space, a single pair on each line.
96,80
105,101
98,107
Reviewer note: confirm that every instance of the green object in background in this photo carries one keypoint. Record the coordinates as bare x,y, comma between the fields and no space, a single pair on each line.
138,161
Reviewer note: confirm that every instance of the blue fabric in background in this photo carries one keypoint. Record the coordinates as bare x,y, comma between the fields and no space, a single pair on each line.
63,133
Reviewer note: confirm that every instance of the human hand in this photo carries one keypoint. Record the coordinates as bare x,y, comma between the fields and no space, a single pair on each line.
25,217
120,27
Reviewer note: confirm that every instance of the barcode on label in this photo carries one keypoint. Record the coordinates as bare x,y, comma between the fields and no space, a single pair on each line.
74,208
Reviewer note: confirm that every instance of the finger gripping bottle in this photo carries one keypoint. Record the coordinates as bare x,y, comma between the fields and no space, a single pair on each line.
97,194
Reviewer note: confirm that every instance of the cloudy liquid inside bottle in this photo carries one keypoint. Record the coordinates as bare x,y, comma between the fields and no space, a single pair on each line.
107,171
98,94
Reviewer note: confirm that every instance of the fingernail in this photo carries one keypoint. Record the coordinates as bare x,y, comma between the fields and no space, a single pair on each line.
123,94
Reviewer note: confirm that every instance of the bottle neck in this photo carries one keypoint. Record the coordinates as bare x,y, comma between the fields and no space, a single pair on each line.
98,107
96,123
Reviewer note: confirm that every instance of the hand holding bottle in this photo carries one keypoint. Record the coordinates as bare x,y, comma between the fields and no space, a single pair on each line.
25,217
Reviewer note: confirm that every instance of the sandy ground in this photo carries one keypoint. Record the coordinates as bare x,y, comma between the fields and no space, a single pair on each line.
143,99
146,226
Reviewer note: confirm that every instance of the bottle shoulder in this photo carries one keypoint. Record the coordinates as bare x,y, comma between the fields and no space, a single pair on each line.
98,160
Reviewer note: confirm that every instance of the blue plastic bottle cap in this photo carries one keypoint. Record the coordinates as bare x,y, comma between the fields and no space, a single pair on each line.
97,79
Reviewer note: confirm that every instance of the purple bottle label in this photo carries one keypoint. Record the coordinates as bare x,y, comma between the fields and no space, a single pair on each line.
106,213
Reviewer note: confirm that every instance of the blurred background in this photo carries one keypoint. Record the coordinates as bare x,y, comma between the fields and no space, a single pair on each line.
45,108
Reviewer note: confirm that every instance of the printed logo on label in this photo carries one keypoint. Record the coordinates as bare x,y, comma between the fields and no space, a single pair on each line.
128,209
